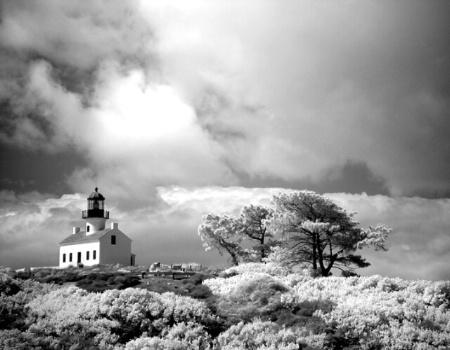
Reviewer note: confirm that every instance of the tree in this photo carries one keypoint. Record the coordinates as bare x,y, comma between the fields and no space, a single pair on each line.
318,233
221,232
227,233
253,228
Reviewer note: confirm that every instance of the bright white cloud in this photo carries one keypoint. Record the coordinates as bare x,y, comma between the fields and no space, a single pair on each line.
136,135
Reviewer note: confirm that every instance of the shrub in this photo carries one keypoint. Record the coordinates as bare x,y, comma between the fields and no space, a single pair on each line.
200,292
13,301
266,336
99,282
52,279
259,297
71,315
42,273
180,337
15,340
8,285
198,278
129,281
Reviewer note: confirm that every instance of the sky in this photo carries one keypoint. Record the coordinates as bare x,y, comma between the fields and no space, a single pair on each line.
175,109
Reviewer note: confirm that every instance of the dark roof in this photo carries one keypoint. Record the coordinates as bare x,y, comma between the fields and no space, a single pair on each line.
82,237
96,195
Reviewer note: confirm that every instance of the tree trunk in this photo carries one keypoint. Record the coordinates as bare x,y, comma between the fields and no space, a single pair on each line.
314,252
234,258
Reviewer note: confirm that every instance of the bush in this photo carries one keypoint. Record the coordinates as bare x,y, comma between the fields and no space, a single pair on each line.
200,292
258,311
71,316
8,286
42,273
13,301
259,297
129,281
52,279
264,336
180,337
198,278
99,282
71,276
15,340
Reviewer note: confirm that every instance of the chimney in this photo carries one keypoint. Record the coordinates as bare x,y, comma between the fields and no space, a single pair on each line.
76,230
114,225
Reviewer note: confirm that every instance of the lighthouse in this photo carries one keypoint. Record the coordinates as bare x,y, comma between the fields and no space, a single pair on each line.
97,244
95,215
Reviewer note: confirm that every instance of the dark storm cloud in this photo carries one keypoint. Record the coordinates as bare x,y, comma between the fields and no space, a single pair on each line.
333,83
24,171
293,91
352,177
72,40
75,34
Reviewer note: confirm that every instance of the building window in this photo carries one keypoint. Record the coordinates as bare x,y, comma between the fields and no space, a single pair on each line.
113,239
70,257
87,255
64,258
87,228
94,254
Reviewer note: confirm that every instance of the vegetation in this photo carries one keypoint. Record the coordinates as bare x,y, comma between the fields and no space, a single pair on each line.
226,233
260,303
310,230
249,306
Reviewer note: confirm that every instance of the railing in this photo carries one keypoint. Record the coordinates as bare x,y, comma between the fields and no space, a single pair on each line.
175,275
95,213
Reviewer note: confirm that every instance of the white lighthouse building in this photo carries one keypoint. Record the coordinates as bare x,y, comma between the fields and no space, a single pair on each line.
96,244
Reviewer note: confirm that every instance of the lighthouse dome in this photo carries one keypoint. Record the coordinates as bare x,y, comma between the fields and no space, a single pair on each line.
96,195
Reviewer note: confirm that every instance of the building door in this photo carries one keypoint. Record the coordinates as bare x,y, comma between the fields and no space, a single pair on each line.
79,258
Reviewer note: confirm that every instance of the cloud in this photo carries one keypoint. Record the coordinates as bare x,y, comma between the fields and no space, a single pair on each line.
76,34
308,87
218,94
420,241
32,226
135,137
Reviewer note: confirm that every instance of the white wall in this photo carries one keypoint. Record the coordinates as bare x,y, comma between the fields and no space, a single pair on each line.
120,253
95,225
82,248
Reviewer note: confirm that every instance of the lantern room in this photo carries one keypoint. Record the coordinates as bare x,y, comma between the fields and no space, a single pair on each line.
95,206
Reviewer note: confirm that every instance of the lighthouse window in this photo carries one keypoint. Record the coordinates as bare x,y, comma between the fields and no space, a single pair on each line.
113,239
87,255
70,257
94,254
64,258
87,228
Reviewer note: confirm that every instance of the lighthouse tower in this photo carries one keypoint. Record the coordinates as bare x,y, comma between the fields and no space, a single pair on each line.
95,215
